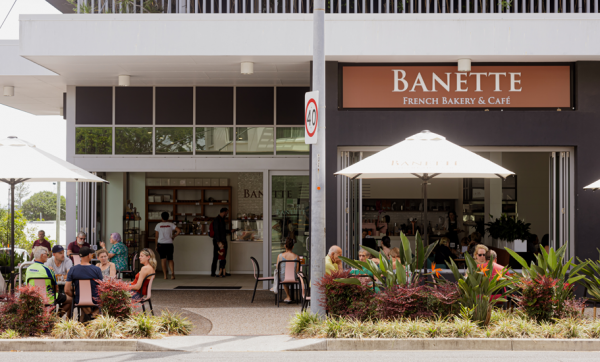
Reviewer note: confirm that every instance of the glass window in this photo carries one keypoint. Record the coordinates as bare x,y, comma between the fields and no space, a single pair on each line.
254,141
133,140
174,140
290,141
214,140
93,140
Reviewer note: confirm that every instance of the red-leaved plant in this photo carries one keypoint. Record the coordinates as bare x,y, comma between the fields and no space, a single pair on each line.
537,297
114,298
346,300
418,301
25,312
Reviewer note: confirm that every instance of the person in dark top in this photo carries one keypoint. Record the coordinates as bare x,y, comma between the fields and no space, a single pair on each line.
533,244
452,225
220,230
443,253
546,242
41,241
85,270
74,246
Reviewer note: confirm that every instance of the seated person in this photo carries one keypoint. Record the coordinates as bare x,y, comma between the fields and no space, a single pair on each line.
395,256
139,285
85,270
443,253
363,255
496,268
332,260
109,270
288,254
370,243
58,263
39,270
386,245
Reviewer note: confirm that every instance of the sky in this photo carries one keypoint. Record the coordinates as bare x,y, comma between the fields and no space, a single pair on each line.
46,132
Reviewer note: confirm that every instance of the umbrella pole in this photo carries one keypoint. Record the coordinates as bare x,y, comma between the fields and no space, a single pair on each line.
425,209
12,234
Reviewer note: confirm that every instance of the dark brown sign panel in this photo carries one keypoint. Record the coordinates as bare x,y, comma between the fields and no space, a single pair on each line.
444,87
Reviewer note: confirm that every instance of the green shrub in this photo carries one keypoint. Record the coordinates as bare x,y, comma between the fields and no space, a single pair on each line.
105,327
114,298
69,329
301,321
174,323
9,334
142,325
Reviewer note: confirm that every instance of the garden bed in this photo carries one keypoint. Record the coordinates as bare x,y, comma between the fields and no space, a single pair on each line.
503,324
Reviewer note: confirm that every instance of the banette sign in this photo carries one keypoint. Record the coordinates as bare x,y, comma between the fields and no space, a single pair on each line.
444,87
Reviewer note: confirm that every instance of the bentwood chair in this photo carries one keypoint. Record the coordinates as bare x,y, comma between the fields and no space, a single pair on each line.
305,291
85,296
289,276
148,295
257,276
40,284
131,271
76,259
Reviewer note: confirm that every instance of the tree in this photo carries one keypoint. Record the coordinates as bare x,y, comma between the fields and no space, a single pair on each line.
21,234
44,202
21,192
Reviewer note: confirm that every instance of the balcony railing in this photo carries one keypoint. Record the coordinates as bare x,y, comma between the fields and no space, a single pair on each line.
336,6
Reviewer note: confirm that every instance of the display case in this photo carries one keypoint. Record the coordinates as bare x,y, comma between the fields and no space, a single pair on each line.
247,230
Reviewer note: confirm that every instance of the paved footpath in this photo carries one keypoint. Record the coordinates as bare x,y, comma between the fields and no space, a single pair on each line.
411,356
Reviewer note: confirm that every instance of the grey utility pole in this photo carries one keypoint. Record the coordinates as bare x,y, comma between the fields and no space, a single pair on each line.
58,213
317,161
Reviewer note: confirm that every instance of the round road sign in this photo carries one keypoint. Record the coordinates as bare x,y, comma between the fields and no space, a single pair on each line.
311,117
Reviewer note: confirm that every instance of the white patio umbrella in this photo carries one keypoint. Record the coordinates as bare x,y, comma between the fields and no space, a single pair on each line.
24,162
595,186
425,155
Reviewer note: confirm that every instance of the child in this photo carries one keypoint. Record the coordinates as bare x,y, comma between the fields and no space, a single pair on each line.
222,260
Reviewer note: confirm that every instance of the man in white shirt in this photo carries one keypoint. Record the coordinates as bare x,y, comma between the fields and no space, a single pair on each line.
164,243
58,263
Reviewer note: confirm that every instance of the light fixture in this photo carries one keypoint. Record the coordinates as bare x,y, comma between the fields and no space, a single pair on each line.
9,91
464,65
124,80
247,67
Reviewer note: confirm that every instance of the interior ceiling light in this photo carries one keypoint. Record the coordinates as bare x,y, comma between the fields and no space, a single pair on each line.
124,80
247,67
464,65
9,91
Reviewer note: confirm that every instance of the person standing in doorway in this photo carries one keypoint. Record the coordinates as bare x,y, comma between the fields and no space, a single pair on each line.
164,243
41,241
220,235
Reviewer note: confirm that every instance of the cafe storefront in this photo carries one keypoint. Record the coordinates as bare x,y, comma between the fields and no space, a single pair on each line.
536,119
191,151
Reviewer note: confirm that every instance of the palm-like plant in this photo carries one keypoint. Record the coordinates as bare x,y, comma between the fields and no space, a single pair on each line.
478,286
408,269
551,264
591,281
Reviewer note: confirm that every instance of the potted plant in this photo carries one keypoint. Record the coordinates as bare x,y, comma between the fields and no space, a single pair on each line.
507,230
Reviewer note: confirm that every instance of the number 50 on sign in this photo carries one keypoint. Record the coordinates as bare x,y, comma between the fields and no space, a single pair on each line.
311,117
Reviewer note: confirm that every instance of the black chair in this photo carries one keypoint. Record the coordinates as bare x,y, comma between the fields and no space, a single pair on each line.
290,276
257,276
146,297
131,271
304,291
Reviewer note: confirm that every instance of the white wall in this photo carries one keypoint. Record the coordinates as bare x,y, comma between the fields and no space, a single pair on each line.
350,37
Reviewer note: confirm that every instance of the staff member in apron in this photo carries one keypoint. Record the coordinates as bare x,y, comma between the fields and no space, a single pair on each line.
164,243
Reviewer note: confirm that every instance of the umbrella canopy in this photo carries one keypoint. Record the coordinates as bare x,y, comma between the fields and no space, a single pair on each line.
22,160
595,186
425,155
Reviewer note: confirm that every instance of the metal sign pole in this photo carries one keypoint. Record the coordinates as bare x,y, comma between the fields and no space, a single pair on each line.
317,213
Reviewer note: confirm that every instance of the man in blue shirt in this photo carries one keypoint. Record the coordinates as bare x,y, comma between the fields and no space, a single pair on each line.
39,271
85,270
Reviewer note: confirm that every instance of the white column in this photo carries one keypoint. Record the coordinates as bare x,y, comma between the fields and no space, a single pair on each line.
70,196
493,196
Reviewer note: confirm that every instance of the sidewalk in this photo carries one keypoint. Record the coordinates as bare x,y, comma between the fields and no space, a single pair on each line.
227,312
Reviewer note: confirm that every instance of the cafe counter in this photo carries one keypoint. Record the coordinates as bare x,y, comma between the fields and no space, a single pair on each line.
194,253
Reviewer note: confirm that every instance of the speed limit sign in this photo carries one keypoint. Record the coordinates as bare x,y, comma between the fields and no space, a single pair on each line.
311,117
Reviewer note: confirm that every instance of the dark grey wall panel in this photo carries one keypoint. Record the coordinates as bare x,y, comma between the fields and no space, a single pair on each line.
254,105
214,105
93,105
578,129
174,105
133,105
290,105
